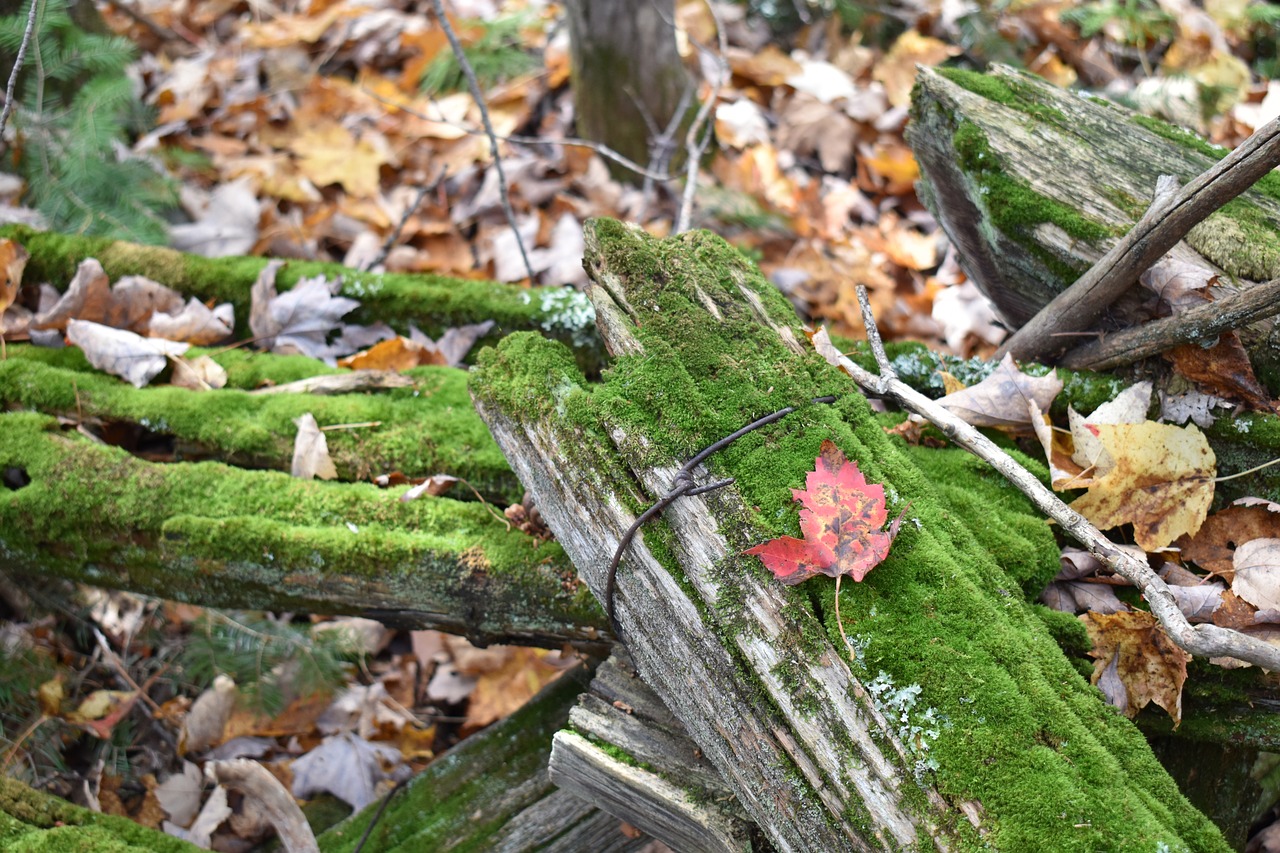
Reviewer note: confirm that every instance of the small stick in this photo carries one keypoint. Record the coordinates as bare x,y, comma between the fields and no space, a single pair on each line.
1202,323
478,96
682,484
17,65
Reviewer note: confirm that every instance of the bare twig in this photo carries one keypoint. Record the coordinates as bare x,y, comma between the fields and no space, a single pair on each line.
681,485
1203,640
17,66
570,141
478,96
700,132
1200,324
409,211
1172,214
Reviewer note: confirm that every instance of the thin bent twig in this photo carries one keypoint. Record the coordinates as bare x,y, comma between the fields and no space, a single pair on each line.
478,96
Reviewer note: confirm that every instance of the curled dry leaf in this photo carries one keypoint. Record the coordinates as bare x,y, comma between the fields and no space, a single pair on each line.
132,357
1214,545
1136,662
311,451
1257,580
1001,399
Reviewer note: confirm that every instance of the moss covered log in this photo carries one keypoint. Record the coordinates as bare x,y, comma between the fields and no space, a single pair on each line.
954,719
432,302
216,535
1033,184
428,427
492,792
32,822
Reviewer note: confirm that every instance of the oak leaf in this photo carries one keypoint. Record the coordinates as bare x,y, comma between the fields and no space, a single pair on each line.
841,521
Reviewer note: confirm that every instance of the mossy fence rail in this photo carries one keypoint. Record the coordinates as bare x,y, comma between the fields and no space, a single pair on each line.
954,720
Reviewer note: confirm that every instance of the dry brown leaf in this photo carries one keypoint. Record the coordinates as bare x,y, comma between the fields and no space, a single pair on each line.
1078,597
1162,482
1213,547
1136,662
13,261
1223,370
1001,399
205,722
87,297
897,71
499,692
768,66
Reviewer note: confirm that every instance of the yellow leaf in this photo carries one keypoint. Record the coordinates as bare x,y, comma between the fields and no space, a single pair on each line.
329,154
1162,482
1136,662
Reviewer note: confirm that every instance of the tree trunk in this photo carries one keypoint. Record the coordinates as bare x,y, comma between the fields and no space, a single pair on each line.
952,718
628,80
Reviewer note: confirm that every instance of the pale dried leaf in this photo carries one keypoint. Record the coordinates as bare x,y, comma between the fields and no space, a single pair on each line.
348,767
1078,597
181,793
1001,399
195,323
200,374
226,222
87,297
311,451
208,716
1257,580
132,357
1129,407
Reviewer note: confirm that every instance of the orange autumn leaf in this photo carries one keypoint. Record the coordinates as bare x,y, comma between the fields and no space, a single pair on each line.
841,521
1162,481
1136,662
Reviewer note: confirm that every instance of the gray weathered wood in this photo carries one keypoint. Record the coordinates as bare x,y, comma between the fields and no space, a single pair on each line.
1034,184
663,786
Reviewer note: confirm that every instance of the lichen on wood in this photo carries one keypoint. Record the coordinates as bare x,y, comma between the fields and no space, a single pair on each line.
984,706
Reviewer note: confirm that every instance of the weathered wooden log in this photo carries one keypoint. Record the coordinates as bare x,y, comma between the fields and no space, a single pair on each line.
1032,184
954,717
221,536
625,752
492,792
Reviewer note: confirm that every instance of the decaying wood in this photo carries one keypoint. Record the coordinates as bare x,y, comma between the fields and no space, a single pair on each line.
1173,213
711,636
1012,165
664,786
492,792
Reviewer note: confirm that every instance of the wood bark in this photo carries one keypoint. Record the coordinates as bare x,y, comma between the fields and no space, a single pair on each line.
802,742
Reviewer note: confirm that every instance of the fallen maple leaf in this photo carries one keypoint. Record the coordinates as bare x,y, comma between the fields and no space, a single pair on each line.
841,520
1162,481
1136,662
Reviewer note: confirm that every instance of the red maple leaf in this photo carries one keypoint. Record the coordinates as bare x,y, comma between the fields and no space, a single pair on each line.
841,521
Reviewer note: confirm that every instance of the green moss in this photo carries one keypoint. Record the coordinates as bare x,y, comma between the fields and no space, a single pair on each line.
1005,90
1015,209
945,614
33,822
431,302
214,534
425,429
